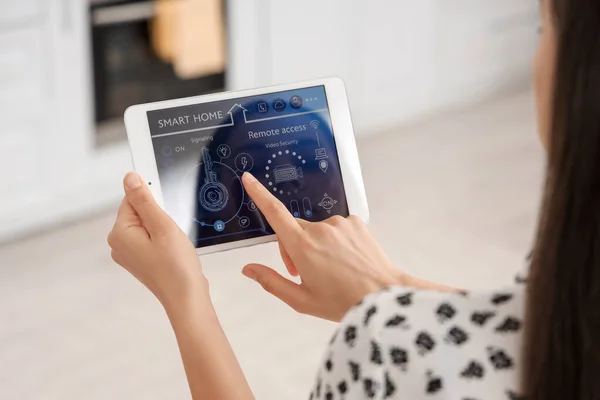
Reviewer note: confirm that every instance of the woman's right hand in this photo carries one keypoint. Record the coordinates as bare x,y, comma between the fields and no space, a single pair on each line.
338,260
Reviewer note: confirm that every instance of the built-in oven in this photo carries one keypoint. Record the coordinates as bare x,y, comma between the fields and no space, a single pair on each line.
126,67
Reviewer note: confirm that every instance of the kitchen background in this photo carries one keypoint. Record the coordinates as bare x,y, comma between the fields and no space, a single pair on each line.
440,87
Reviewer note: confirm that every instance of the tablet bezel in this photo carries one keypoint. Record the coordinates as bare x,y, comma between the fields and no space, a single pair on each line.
144,161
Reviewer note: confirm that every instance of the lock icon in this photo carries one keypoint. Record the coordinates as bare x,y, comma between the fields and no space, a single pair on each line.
219,226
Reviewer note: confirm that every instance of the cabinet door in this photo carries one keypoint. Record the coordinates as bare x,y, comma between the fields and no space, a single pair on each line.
22,96
19,162
21,75
19,11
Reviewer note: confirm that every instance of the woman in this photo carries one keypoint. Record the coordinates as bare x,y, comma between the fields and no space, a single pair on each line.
415,339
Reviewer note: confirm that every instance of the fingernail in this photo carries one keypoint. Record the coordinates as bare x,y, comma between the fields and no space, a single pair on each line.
249,272
248,177
133,181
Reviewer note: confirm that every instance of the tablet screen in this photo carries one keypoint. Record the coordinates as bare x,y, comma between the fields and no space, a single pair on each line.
284,139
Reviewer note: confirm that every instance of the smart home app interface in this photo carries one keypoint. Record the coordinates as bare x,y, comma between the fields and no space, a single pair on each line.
284,139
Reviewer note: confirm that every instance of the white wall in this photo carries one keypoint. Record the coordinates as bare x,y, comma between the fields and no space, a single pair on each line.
400,59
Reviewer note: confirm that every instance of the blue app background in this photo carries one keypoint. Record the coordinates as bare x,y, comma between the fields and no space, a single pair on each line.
284,139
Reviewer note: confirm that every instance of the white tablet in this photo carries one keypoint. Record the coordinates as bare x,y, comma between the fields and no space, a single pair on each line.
296,139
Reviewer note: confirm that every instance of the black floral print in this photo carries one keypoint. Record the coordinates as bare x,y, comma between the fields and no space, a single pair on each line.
371,387
425,343
343,387
354,371
405,299
501,298
328,393
499,359
457,336
473,371
400,344
434,383
376,353
328,365
390,388
445,312
510,324
350,334
370,312
396,320
399,357
482,317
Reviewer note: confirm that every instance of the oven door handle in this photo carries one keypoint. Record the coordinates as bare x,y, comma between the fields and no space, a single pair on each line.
123,13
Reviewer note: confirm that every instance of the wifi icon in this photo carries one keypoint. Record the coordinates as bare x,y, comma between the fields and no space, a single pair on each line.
315,124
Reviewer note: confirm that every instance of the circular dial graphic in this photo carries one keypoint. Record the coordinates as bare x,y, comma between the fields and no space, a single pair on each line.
213,196
219,192
279,174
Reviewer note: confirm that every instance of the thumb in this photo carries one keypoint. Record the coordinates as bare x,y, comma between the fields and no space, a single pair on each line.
139,196
272,282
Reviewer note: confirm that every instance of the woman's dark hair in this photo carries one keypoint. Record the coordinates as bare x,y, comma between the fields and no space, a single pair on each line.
562,345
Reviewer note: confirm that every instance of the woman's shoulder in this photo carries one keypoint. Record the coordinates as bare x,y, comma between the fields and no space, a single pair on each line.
427,342
450,317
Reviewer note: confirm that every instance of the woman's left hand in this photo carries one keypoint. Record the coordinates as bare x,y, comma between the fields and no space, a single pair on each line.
149,244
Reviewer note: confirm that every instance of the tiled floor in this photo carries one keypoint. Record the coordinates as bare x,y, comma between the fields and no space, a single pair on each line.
453,200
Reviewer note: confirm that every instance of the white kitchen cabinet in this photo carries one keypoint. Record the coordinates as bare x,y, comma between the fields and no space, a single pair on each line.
22,73
20,12
23,111
19,159
50,168
22,95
